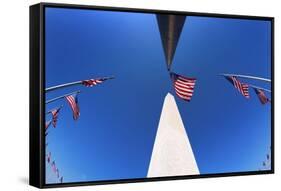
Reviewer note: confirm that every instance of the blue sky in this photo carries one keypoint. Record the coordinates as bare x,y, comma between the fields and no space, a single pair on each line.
114,136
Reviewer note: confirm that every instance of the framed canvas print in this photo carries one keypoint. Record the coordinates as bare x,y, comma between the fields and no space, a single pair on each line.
126,95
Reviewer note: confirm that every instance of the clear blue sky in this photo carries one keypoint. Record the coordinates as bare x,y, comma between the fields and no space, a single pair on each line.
114,136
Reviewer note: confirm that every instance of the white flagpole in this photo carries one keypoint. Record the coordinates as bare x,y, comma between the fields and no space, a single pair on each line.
257,87
62,86
63,96
248,77
71,84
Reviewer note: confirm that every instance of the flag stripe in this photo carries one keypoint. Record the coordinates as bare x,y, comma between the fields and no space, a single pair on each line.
49,157
184,86
186,78
55,114
74,106
261,95
47,124
183,92
54,167
185,82
242,88
93,82
183,97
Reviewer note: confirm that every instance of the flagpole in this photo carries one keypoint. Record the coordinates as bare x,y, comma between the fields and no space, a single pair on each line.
62,86
50,111
248,77
71,84
63,96
260,88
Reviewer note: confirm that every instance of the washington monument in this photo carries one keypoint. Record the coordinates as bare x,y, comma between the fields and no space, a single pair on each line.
172,154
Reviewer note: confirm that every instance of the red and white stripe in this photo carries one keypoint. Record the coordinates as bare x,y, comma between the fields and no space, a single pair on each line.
49,157
92,82
184,87
242,88
48,123
54,168
55,114
57,172
262,97
75,108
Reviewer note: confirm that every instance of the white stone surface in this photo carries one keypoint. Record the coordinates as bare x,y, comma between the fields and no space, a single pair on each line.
172,154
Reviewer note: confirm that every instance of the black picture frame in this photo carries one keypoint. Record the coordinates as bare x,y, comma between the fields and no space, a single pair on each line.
37,95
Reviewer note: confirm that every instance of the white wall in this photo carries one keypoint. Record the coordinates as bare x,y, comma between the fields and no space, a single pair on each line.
14,26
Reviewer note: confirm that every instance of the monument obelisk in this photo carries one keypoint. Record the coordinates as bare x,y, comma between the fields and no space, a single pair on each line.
172,154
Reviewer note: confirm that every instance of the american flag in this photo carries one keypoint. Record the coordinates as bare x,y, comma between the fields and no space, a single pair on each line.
261,95
55,114
49,157
93,82
61,179
241,87
73,102
267,156
58,174
48,123
184,86
54,167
